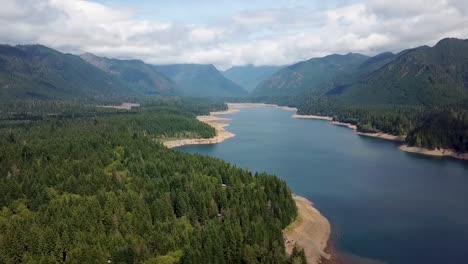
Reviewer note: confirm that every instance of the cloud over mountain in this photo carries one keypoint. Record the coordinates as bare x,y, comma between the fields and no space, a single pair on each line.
261,34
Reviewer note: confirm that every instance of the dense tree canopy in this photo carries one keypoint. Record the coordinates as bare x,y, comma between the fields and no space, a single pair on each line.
99,188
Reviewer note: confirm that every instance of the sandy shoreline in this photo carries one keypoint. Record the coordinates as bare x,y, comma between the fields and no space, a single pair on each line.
238,106
435,152
348,125
311,231
218,123
396,138
399,138
328,118
122,106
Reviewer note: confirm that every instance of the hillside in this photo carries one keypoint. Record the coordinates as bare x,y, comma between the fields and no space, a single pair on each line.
345,80
308,76
250,76
422,76
137,75
38,72
200,80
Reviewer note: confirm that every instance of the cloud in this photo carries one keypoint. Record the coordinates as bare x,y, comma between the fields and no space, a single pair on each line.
262,35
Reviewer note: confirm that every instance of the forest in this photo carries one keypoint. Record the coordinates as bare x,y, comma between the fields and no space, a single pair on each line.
443,127
96,186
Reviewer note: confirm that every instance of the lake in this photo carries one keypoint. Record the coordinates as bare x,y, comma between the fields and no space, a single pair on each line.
383,204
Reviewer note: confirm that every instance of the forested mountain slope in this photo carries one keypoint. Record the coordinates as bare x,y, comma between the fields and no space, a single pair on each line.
344,80
308,76
38,72
137,75
200,80
422,76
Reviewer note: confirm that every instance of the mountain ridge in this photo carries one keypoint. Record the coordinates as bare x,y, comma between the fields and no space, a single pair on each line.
424,75
39,72
308,75
141,77
200,80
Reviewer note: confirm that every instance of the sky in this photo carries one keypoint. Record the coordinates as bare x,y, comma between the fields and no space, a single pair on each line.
230,33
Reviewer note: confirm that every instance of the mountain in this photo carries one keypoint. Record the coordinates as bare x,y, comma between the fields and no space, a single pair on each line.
376,62
38,72
307,76
343,81
250,76
421,76
200,80
137,75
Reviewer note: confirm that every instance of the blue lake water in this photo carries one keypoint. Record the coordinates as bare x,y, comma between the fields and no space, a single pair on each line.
383,204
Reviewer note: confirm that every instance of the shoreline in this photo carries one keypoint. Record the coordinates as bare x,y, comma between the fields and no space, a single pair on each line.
122,106
397,138
435,152
400,138
219,124
348,125
327,118
238,106
311,231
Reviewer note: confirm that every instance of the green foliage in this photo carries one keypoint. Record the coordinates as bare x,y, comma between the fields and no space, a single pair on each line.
93,189
446,129
297,256
431,128
391,119
171,258
185,105
16,113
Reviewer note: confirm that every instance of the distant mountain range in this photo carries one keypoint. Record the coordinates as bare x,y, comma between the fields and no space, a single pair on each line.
423,76
307,75
250,76
38,72
200,80
142,78
420,76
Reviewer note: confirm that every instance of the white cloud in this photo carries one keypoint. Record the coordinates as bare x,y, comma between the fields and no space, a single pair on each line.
279,35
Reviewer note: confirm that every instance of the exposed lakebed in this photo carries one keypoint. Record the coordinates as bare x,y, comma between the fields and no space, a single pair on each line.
383,204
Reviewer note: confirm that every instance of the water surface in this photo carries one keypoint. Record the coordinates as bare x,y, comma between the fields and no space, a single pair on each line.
383,203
